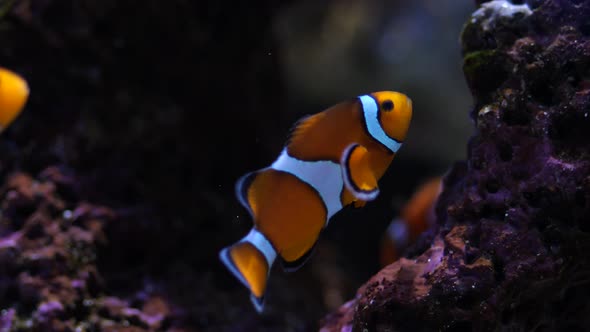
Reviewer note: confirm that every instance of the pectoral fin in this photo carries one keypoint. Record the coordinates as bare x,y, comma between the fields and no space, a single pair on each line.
356,171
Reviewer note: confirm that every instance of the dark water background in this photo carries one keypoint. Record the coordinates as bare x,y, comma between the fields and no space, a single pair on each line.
160,106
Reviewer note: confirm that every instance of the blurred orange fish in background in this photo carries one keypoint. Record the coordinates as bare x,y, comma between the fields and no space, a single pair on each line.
14,92
416,216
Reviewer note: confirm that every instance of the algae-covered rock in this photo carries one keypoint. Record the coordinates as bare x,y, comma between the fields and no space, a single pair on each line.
510,248
49,280
157,107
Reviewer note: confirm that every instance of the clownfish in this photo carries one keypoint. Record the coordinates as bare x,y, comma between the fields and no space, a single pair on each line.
14,93
331,159
416,216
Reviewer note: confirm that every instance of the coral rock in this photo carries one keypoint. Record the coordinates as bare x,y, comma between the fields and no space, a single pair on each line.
510,248
48,275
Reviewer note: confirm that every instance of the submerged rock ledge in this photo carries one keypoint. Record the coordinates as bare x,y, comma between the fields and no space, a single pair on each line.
510,248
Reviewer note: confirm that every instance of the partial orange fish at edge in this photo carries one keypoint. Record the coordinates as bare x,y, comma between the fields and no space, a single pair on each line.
14,92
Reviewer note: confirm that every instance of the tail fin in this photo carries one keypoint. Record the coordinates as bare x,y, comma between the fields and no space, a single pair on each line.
250,261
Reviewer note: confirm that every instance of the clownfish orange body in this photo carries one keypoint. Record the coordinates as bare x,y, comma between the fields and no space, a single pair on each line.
416,216
14,92
331,159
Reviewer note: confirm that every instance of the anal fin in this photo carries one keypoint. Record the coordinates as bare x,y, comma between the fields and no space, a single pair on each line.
299,262
359,179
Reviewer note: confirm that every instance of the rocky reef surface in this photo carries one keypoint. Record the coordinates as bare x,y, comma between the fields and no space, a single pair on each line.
510,248
49,280
149,112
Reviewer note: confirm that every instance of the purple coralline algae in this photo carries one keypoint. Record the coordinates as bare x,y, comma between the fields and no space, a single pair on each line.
49,280
510,247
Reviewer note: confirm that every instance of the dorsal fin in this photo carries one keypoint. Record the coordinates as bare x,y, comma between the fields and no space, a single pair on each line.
320,136
299,127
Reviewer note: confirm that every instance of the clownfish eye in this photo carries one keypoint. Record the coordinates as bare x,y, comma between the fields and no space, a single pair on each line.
387,105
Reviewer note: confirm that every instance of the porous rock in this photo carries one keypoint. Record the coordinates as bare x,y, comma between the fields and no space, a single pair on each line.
49,279
510,248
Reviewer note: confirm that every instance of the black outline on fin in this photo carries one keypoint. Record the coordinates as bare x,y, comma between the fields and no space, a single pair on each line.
226,259
299,262
258,303
365,195
241,190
